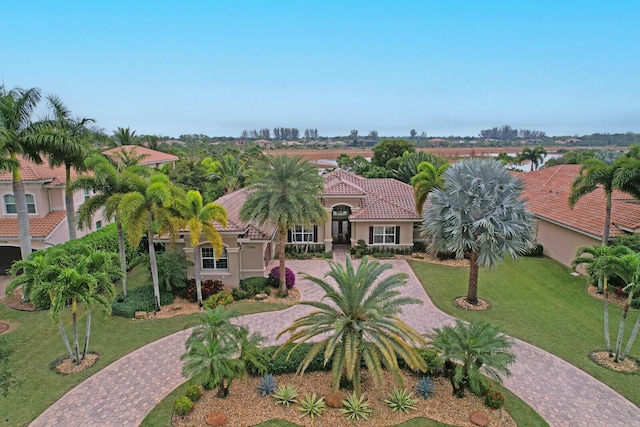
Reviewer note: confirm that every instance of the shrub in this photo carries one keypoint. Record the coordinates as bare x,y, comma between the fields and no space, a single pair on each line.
312,406
183,406
282,363
138,299
172,269
635,303
239,294
430,357
253,286
360,249
494,399
425,388
194,393
537,251
209,287
285,395
401,400
274,277
419,246
355,407
221,298
267,385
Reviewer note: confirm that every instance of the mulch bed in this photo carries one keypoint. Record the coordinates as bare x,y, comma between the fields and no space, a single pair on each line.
627,366
462,303
4,327
613,297
65,366
16,302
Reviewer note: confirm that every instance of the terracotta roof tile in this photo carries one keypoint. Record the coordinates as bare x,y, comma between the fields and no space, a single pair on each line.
30,171
151,156
38,227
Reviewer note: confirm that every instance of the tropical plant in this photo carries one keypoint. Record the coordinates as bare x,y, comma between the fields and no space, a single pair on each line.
409,163
311,405
285,192
221,298
183,405
285,395
194,392
401,400
427,178
494,399
172,269
361,325
534,155
108,185
125,136
32,274
16,139
140,208
425,388
467,350
200,219
267,385
478,212
595,173
356,407
229,171
599,266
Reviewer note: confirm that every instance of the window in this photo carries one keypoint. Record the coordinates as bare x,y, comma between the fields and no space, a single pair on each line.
98,225
10,204
209,260
300,234
384,234
86,194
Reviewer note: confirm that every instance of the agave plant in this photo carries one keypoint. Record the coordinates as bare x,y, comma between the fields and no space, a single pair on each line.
312,406
285,395
401,400
425,388
356,407
267,385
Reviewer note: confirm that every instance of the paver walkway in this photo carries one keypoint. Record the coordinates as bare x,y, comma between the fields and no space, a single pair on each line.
123,393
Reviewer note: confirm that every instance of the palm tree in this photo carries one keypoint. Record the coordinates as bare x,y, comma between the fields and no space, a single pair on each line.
140,208
30,273
595,173
230,171
598,263
360,324
108,186
69,142
285,193
470,349
428,177
478,212
199,219
16,108
125,136
409,163
534,155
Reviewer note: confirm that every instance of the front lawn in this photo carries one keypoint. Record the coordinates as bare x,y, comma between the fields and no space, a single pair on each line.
538,301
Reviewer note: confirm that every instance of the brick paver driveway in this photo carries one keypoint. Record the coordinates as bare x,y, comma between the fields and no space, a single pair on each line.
123,393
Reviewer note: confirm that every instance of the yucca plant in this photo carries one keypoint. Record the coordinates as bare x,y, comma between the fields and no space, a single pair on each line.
311,406
356,407
267,385
285,395
401,400
425,388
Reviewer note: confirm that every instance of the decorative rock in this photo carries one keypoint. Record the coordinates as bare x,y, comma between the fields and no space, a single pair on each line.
140,315
479,418
261,297
216,419
334,400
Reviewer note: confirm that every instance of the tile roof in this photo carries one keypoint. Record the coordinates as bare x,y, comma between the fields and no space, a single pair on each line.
151,156
30,171
232,203
38,227
547,192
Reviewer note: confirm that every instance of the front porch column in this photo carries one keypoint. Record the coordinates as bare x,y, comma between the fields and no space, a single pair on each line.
328,238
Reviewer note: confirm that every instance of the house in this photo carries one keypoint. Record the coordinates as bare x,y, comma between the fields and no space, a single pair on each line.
45,191
562,230
379,211
152,158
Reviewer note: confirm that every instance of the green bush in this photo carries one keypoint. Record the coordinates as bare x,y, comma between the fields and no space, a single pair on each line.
635,303
494,399
537,251
280,365
105,239
138,299
430,357
419,246
221,298
253,286
194,393
183,406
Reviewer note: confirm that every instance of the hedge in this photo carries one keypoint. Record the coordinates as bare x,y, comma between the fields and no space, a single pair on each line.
138,299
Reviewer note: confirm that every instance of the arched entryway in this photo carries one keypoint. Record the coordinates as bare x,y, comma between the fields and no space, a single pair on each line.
340,225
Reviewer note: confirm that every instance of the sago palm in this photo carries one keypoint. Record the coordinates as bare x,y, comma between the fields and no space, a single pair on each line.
285,192
359,323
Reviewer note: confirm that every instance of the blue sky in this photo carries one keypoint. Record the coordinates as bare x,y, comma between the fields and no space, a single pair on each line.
443,67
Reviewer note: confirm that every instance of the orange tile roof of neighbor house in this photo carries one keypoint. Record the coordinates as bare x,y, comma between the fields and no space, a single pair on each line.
38,227
547,191
31,171
150,156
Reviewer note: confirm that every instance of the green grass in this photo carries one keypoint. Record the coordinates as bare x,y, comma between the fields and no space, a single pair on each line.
538,301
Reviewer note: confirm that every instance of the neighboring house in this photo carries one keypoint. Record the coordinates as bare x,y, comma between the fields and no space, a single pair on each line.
45,188
149,157
562,230
379,211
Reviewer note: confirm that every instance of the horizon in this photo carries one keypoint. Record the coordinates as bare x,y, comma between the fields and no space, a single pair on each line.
564,68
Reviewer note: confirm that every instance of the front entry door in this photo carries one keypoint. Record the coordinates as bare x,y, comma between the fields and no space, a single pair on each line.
341,231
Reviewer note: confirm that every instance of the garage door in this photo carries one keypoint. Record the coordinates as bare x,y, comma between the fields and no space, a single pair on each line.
8,254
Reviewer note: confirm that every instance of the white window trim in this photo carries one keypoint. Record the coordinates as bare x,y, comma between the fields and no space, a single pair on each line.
302,231
87,194
35,205
384,235
224,256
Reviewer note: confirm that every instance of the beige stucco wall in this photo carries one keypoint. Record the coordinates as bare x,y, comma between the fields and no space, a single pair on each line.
360,230
561,243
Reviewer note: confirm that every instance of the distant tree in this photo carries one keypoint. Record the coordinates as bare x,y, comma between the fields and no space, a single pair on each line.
229,171
276,133
265,133
373,134
244,134
354,135
295,133
152,141
423,134
413,133
125,136
307,134
534,155
390,148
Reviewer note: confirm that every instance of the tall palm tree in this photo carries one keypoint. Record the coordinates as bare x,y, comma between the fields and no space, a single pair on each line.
16,139
125,136
360,324
140,208
428,177
467,350
69,139
534,155
200,219
595,173
108,186
598,263
286,193
478,212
